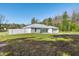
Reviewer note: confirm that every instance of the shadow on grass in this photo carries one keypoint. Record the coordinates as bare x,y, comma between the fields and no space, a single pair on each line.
28,47
72,36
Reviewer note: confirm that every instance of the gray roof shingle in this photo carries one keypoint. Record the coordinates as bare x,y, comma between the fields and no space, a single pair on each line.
39,26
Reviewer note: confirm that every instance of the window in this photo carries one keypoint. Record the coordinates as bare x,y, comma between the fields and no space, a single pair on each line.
44,30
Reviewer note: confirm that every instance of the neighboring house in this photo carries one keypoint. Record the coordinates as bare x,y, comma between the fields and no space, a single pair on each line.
35,28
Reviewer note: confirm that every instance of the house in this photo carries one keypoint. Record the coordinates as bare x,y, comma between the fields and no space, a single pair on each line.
35,28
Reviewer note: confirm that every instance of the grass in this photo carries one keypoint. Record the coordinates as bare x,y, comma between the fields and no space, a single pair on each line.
31,36
68,32
35,36
3,33
40,44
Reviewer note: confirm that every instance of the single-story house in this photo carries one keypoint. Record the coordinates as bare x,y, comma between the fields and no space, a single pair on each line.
35,28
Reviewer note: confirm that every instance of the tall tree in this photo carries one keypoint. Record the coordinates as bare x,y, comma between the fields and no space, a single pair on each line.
74,15
2,19
33,20
45,21
50,21
65,21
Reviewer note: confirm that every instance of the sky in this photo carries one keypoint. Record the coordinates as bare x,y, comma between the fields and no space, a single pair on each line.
22,13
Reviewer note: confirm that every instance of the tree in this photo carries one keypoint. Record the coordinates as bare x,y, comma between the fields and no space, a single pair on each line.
45,21
33,20
49,21
65,21
65,16
2,19
74,15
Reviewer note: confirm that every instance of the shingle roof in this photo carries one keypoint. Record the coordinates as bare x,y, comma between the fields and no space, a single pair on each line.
39,26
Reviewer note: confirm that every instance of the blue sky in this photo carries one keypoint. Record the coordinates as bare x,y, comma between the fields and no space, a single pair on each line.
24,12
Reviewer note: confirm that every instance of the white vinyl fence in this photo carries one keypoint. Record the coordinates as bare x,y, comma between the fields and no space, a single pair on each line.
19,31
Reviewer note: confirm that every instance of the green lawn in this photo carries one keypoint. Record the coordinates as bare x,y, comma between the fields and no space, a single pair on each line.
29,36
68,33
3,33
34,36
